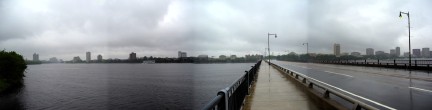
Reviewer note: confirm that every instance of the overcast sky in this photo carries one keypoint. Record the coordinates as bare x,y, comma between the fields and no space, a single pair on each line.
114,28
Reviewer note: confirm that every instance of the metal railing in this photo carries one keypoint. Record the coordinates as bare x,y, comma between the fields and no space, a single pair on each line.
311,83
232,97
415,64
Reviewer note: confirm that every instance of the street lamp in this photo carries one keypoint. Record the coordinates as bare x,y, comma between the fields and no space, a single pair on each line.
409,35
307,48
268,44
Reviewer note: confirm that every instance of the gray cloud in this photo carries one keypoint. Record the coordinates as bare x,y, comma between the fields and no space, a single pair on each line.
114,28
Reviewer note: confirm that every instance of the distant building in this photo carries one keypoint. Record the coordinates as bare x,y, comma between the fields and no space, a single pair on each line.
357,54
425,52
132,56
398,53
392,52
202,56
182,54
88,57
35,57
344,54
369,51
99,58
233,57
379,53
222,57
53,60
336,50
406,54
76,59
416,53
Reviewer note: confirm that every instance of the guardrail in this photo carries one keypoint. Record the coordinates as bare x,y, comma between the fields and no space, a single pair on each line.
311,83
415,64
232,97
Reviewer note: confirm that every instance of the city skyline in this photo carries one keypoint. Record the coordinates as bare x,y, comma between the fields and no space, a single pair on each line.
157,28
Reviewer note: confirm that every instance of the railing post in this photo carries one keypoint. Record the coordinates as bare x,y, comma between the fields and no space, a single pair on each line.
378,62
327,94
394,62
415,63
248,84
223,104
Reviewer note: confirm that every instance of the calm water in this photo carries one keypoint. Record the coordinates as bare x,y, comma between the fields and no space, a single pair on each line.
122,86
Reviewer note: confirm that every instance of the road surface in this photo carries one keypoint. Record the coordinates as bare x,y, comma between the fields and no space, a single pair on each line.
383,88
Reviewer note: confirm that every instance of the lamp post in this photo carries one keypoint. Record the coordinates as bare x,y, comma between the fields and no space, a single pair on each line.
307,48
409,35
268,44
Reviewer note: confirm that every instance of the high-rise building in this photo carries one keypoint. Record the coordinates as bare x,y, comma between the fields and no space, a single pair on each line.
336,49
132,56
99,58
392,52
398,53
416,53
369,51
88,57
35,57
425,52
182,54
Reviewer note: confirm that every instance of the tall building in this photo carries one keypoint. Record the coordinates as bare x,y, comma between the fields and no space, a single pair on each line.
35,57
132,56
416,53
369,51
398,53
392,52
182,54
99,58
425,52
88,57
336,49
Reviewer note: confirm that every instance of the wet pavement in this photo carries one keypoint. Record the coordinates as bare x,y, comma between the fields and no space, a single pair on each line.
275,91
394,88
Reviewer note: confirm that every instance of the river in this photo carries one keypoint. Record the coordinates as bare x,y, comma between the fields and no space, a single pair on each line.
122,86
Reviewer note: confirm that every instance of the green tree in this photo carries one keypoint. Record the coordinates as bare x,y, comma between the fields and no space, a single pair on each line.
12,68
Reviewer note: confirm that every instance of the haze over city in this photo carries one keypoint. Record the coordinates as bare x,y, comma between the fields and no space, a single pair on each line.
68,28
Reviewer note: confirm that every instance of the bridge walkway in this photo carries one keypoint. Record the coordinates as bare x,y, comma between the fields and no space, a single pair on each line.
275,91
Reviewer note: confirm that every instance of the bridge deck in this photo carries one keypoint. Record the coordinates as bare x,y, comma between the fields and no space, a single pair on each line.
274,91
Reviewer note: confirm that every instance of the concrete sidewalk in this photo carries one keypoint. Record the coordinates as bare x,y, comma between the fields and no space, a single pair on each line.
275,91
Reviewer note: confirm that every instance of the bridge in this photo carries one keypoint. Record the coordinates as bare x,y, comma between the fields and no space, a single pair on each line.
316,86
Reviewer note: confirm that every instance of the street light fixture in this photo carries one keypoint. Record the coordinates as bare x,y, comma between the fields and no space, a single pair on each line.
409,34
268,44
307,48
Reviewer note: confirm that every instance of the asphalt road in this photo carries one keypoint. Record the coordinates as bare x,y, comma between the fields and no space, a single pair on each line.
383,88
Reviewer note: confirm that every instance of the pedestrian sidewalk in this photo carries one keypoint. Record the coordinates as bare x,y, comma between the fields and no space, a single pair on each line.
274,91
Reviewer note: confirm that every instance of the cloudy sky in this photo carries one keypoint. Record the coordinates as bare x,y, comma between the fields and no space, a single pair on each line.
114,28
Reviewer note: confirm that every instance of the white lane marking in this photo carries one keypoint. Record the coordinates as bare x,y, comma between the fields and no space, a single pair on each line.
338,73
420,89
377,103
